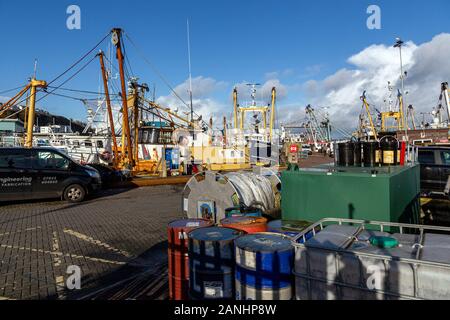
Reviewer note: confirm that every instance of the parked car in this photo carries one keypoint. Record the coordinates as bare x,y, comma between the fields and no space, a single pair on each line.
434,169
307,148
108,175
39,173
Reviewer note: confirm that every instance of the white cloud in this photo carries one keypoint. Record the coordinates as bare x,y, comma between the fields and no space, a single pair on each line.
4,99
427,66
202,88
279,74
264,90
369,70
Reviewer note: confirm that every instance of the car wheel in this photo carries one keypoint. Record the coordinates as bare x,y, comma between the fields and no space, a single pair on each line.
74,193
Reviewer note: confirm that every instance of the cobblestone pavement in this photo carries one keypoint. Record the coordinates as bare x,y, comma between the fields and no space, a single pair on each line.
110,237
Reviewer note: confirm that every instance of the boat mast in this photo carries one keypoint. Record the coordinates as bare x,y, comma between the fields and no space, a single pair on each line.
399,44
190,75
127,152
108,105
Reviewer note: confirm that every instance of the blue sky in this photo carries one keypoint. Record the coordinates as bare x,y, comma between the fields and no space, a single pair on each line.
231,41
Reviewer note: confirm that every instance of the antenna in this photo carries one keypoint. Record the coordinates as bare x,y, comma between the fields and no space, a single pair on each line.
35,68
190,75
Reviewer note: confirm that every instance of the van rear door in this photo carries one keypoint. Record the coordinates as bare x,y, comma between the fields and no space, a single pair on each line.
445,169
16,174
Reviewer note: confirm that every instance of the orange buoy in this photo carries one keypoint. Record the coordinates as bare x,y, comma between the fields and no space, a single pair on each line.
178,255
246,223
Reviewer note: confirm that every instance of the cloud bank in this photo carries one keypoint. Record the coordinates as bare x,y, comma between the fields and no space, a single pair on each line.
427,66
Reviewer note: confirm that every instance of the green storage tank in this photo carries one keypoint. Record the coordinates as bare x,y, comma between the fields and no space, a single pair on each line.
377,194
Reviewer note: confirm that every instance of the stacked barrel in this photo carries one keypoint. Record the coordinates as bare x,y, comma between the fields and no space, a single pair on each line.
211,263
263,267
386,152
178,255
237,260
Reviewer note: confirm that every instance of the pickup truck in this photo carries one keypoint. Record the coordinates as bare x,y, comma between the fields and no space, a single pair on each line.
434,170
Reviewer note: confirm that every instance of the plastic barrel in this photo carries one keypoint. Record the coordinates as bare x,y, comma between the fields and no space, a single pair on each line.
346,154
246,223
211,263
178,255
263,267
370,153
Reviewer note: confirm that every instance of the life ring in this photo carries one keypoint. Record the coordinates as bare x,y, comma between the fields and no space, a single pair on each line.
106,156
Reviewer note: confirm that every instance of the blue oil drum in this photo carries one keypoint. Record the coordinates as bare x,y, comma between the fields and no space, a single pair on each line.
264,264
212,263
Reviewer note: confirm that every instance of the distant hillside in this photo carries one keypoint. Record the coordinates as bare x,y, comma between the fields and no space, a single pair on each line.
44,118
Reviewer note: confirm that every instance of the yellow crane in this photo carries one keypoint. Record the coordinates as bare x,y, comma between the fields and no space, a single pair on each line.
369,115
240,112
396,115
32,86
445,97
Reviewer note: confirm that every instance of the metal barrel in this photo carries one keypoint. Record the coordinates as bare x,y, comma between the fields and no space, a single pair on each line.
264,267
357,154
370,153
389,152
211,263
346,154
246,223
178,255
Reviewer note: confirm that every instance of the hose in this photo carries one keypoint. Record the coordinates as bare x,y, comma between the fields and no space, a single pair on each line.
253,190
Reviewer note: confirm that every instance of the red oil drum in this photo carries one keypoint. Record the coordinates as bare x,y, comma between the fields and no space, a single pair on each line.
246,223
178,255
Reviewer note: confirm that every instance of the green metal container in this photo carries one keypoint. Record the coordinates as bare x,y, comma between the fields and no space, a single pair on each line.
379,194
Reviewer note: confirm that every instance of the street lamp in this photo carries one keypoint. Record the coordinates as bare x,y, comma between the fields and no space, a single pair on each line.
399,44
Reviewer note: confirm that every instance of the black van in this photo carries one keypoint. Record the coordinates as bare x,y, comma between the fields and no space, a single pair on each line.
434,169
39,173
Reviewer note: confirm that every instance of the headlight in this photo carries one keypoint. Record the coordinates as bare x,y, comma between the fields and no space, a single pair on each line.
93,174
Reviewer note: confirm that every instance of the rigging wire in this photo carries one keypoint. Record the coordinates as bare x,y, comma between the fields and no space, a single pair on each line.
79,60
14,89
80,91
62,74
67,80
155,70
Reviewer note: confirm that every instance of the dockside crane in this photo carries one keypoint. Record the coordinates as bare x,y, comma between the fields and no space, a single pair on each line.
240,112
30,110
369,115
445,98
